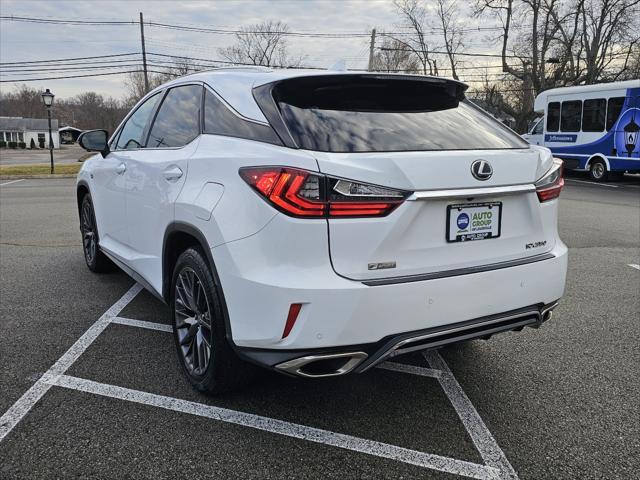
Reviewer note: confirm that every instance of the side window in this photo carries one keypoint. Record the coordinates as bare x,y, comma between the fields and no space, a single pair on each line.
553,117
613,111
593,115
219,120
537,130
571,116
132,133
178,120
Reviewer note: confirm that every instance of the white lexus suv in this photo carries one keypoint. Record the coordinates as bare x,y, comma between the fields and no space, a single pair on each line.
319,223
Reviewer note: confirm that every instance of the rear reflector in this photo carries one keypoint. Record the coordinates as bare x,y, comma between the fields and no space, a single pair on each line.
300,193
294,310
550,185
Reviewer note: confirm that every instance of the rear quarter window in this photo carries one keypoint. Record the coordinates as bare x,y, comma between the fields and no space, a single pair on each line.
368,114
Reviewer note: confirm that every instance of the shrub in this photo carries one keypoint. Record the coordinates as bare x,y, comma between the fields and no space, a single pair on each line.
13,144
3,144
32,144
22,145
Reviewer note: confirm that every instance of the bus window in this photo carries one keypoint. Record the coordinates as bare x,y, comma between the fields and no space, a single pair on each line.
571,116
553,117
613,111
593,115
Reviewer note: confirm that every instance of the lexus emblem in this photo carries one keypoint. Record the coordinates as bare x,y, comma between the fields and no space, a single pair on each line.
481,170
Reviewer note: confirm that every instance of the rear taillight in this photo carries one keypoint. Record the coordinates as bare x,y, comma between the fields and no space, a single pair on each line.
301,193
550,185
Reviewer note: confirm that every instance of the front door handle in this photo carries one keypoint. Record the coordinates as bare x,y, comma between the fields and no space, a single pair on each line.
120,169
173,173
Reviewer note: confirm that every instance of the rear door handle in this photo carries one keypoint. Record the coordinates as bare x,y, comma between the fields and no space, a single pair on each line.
173,173
120,169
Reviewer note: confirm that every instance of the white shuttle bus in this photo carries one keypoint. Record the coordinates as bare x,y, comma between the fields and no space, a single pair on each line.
592,128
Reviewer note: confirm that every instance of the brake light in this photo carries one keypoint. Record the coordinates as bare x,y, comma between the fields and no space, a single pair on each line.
550,185
305,194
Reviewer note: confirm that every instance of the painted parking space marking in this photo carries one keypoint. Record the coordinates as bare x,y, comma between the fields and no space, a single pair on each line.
496,466
132,322
12,181
633,265
25,403
281,427
591,183
482,438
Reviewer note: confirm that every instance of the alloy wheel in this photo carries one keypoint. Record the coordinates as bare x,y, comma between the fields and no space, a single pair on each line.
598,170
193,321
89,242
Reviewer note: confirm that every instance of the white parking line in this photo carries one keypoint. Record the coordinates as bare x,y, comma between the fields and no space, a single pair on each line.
25,403
412,369
12,181
496,465
486,445
132,322
591,183
489,450
281,427
633,265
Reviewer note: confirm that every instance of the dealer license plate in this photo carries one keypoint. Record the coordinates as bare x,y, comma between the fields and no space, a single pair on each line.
473,221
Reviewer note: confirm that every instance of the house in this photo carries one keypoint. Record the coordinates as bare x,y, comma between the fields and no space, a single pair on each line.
23,130
69,134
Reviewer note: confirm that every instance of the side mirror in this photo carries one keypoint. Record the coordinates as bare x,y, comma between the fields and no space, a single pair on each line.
95,141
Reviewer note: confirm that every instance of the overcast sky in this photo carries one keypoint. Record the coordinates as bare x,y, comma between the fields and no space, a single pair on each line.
31,41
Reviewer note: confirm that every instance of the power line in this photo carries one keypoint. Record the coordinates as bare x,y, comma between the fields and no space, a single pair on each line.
70,59
70,76
221,31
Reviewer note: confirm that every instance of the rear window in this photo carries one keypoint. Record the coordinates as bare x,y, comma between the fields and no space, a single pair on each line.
369,114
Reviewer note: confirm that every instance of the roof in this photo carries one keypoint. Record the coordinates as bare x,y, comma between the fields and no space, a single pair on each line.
541,99
27,124
235,85
67,128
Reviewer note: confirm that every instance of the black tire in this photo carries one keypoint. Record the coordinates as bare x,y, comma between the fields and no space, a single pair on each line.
598,171
97,261
216,369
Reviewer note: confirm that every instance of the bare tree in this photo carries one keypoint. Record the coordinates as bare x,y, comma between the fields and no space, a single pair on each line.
598,38
135,84
414,16
262,44
393,56
452,31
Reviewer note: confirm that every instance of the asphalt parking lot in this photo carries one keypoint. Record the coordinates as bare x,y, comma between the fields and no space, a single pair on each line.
90,385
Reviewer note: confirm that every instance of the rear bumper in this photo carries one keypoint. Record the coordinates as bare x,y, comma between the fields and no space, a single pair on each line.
331,362
263,275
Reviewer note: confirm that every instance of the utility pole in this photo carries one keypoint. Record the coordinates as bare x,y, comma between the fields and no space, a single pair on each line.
144,55
372,47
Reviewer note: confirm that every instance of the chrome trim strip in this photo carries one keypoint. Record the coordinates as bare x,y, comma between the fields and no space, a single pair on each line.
295,366
398,349
472,192
459,271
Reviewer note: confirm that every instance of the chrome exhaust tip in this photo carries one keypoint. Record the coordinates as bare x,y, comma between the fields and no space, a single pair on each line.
547,312
321,366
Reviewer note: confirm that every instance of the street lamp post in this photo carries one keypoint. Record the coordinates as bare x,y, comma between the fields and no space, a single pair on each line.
47,99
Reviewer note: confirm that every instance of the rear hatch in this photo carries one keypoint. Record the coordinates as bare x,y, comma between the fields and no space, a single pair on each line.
420,136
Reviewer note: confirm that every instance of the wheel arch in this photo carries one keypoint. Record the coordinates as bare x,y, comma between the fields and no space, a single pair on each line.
82,189
597,156
179,236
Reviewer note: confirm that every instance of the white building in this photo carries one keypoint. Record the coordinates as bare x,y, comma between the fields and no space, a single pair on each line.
23,130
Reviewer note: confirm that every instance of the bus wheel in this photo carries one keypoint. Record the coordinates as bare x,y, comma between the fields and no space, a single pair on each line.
598,171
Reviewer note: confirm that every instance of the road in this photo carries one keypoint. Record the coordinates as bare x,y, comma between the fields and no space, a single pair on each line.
557,402
64,154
